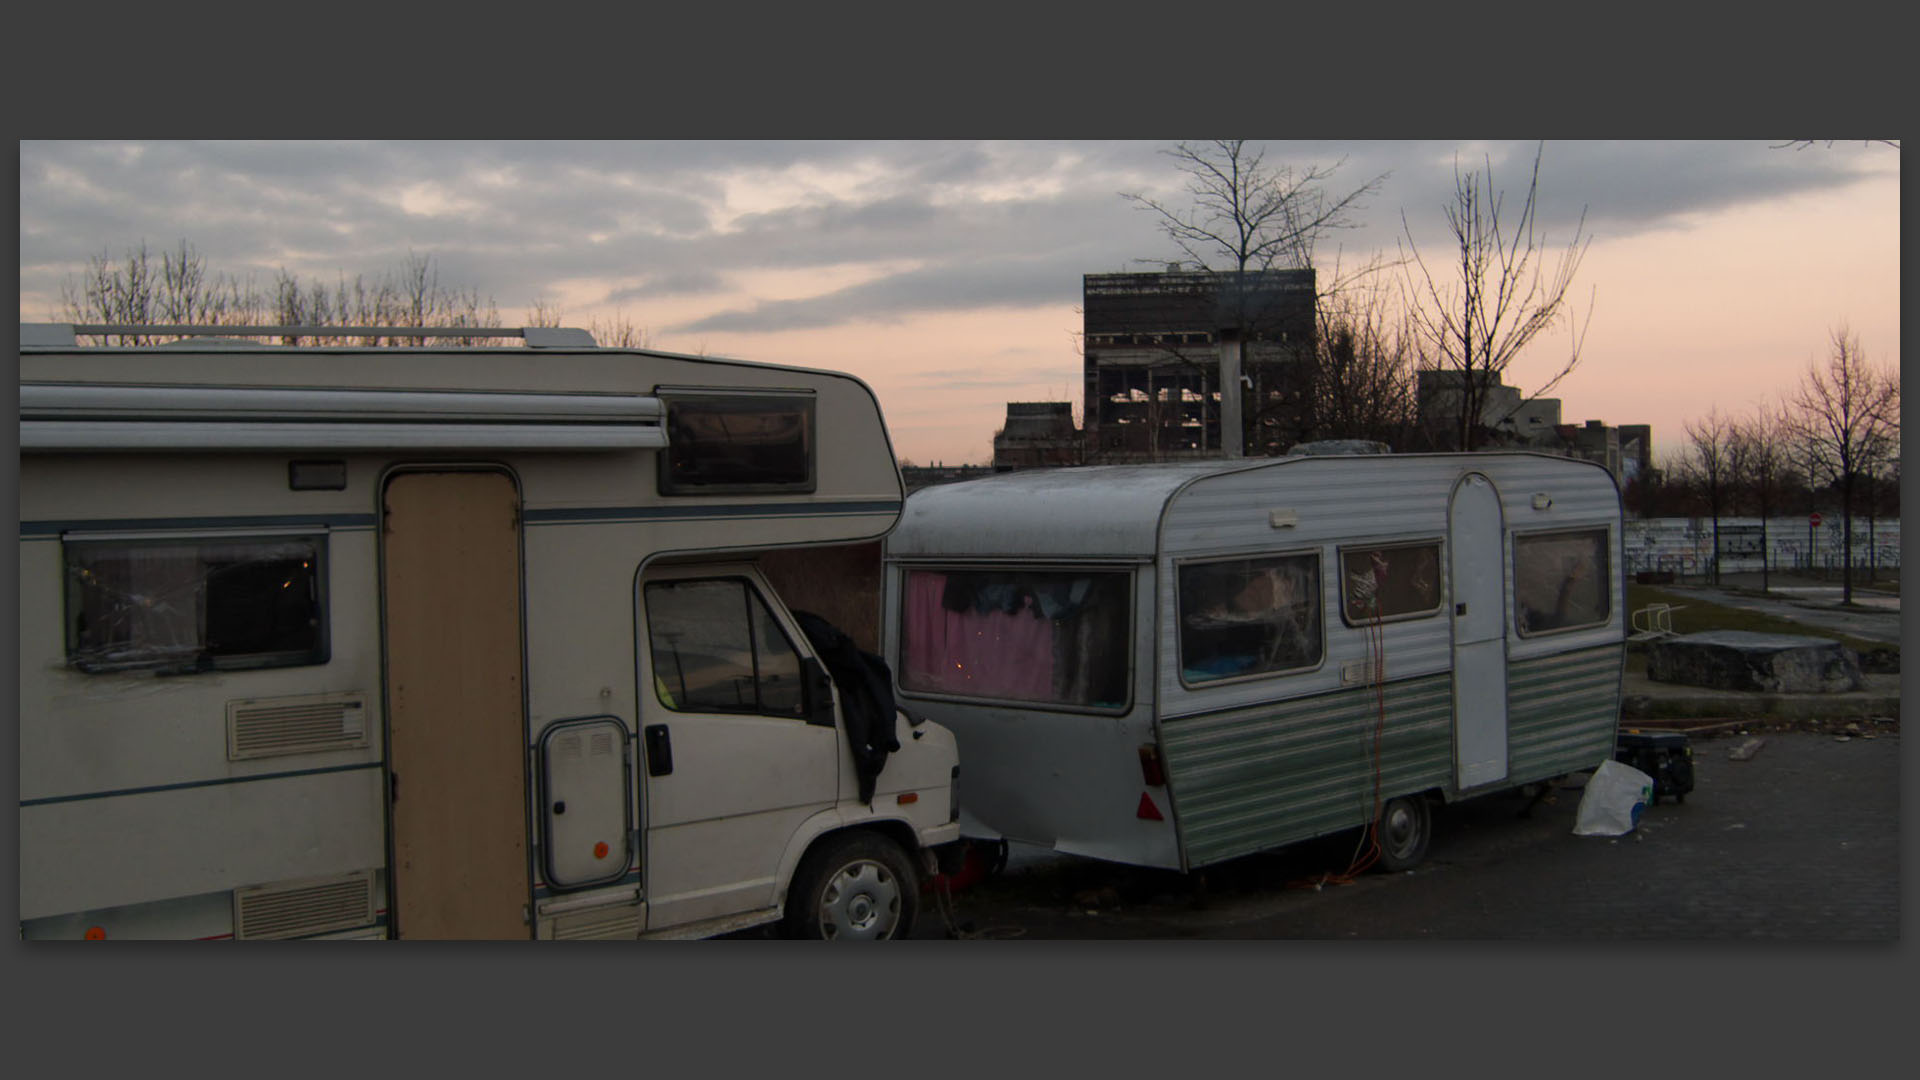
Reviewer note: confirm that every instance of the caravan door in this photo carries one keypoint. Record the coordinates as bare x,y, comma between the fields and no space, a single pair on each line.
1474,535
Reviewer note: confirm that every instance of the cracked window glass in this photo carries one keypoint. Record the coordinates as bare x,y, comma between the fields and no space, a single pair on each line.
1243,617
1560,581
195,604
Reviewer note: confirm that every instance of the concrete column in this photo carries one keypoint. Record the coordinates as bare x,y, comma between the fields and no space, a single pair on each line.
1232,430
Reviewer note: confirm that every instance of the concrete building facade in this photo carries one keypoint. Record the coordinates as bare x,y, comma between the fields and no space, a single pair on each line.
1156,345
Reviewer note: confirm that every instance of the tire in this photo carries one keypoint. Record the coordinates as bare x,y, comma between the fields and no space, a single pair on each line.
1403,831
855,886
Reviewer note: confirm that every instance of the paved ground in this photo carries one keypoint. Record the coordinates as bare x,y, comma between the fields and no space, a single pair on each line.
1797,843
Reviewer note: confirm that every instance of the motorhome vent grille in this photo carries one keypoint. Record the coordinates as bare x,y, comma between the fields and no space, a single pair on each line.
621,923
303,908
296,725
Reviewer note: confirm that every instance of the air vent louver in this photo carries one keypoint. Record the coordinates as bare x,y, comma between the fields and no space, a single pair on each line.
622,923
265,727
303,908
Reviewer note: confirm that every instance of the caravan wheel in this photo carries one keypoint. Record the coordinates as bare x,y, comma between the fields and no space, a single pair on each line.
1405,827
854,887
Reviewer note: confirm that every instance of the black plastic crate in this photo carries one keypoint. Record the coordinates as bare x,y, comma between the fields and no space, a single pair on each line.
1666,756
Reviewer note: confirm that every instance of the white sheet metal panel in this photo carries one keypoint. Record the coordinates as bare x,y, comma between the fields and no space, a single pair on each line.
103,852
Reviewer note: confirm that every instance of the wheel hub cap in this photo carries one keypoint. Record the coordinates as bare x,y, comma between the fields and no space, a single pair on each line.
861,901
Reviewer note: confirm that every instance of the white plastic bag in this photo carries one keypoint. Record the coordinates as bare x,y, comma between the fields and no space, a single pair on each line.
1615,796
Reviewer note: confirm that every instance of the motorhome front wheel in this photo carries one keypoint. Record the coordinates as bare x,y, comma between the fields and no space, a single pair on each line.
856,886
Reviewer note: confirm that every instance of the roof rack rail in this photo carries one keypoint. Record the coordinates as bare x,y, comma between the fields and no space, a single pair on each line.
536,336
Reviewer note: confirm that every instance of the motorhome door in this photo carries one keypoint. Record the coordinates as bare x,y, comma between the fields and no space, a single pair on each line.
1479,634
456,728
734,762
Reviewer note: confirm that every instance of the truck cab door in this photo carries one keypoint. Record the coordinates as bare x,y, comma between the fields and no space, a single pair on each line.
738,738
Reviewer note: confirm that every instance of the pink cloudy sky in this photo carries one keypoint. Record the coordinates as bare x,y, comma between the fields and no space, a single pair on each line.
947,274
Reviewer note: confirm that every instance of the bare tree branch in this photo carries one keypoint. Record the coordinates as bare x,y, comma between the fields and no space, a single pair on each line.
1499,298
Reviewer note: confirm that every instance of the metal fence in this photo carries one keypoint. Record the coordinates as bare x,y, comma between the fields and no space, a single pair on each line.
1684,547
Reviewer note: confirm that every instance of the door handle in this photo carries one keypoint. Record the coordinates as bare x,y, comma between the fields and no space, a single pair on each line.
659,750
1459,609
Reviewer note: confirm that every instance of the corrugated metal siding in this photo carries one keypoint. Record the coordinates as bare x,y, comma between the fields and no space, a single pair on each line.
1562,712
1338,502
1250,779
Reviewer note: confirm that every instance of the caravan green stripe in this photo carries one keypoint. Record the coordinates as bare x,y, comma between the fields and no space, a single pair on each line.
1562,712
1256,778
1251,779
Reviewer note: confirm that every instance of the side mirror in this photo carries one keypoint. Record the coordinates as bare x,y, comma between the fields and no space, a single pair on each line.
816,689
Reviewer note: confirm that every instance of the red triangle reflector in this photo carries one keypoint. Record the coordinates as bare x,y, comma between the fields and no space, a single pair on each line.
1148,811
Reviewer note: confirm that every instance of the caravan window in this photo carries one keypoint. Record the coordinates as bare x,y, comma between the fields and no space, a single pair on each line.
195,604
737,443
1244,617
1561,581
1056,637
1395,581
716,648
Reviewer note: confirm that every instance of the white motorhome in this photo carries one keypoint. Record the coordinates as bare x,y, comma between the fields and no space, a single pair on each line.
449,640
1173,665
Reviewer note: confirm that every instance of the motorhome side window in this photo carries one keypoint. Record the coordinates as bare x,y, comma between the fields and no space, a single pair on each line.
716,648
1390,582
195,604
1255,616
744,443
1560,581
1050,637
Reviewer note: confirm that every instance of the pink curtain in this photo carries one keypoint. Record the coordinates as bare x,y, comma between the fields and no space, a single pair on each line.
980,654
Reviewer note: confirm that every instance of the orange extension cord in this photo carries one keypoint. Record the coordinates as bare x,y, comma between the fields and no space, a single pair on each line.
1368,852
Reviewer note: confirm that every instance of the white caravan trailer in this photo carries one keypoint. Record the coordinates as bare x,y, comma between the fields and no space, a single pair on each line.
1172,665
448,641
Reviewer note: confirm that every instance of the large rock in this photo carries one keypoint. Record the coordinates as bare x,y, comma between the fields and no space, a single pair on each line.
1742,660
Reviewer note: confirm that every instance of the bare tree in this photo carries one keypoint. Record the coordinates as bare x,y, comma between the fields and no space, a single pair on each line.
1476,321
182,291
1710,466
132,291
1245,218
616,331
1246,215
1360,382
1846,413
1758,454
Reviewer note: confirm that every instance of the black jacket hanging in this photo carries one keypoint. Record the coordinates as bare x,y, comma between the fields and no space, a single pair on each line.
866,697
